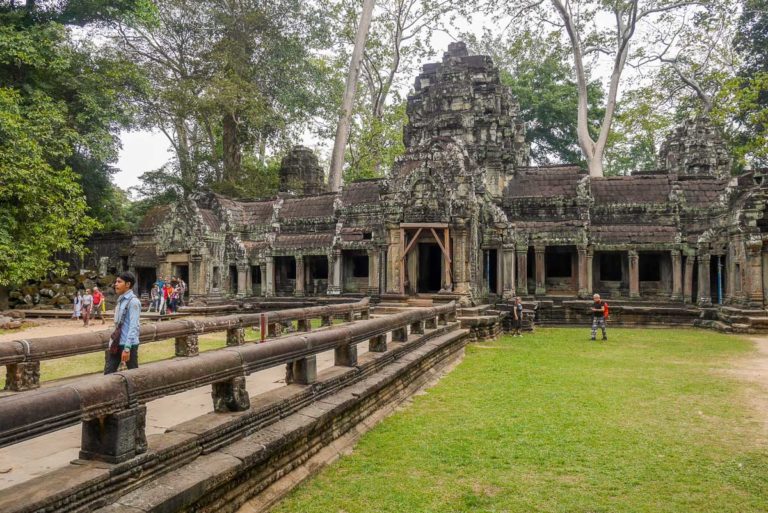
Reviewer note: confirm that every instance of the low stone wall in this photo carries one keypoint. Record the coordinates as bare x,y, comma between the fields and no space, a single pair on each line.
219,460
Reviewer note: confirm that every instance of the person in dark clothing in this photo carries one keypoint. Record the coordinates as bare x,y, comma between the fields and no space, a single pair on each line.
598,316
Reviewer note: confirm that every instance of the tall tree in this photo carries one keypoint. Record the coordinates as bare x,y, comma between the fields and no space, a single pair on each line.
347,103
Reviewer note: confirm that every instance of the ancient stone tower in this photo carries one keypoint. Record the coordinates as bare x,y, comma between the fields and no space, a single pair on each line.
463,98
695,148
300,172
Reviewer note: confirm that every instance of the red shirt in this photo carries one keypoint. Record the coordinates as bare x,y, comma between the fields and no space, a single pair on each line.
97,298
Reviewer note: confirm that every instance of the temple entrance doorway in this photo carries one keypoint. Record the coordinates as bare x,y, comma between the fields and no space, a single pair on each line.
430,268
425,252
146,277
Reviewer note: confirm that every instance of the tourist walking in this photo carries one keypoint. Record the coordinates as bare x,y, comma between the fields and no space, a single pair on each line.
87,307
78,305
124,343
598,316
160,283
517,317
154,299
99,304
165,307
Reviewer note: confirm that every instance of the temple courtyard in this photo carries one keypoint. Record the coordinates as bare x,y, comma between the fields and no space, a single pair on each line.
650,421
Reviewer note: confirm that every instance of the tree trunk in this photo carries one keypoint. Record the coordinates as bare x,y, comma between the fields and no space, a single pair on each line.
185,164
342,129
232,155
3,298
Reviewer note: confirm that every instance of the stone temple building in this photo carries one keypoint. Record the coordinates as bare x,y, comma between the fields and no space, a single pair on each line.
463,215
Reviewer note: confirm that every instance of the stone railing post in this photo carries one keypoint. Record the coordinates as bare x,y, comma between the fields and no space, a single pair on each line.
115,437
304,325
430,323
236,336
400,335
377,344
345,356
302,371
187,345
326,320
417,327
230,396
22,376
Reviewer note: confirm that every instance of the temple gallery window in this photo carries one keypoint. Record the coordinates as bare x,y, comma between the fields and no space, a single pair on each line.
649,267
359,266
558,265
610,267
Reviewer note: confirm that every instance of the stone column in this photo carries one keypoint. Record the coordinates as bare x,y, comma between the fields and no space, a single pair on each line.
393,260
581,252
677,275
522,270
754,290
590,270
268,279
634,273
197,286
705,297
373,272
242,276
334,268
263,276
508,271
298,290
541,287
460,259
688,278
248,280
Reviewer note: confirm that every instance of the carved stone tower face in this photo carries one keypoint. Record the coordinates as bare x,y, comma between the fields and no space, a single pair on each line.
300,172
463,98
695,148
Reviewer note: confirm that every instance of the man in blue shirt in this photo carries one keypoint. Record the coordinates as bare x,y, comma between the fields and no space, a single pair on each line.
127,311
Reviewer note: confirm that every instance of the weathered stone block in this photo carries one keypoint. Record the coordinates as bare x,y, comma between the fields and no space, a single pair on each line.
116,437
187,345
22,376
236,337
230,395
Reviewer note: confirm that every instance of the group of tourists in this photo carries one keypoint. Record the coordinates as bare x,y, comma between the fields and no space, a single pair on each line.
167,295
92,303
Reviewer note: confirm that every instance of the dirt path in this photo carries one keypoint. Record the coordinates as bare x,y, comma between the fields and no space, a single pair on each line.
52,327
754,370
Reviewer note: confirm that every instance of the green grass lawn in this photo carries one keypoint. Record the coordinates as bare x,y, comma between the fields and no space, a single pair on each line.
647,422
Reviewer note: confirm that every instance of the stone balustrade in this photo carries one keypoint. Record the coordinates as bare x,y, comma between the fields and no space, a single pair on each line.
111,408
22,357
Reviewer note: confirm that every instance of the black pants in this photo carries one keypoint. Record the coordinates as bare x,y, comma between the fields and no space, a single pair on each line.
112,361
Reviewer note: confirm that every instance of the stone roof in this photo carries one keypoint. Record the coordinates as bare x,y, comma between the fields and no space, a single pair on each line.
308,207
544,182
641,234
702,193
210,219
304,240
257,212
252,247
631,189
361,193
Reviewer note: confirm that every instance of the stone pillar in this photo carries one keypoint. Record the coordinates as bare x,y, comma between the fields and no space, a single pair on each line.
460,259
522,270
393,260
541,287
677,275
705,297
115,437
268,278
197,285
581,252
590,270
334,268
263,276
377,344
634,274
754,292
688,278
400,335
508,271
373,272
298,291
248,281
345,356
242,279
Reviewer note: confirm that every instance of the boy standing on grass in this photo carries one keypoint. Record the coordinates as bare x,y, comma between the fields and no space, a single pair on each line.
598,316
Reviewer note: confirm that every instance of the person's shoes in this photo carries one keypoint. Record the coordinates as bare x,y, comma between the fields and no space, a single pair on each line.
605,338
593,338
